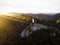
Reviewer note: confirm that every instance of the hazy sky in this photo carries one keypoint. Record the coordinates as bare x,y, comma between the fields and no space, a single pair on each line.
30,6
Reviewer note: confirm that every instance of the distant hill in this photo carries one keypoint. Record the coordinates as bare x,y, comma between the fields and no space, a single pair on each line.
45,16
57,16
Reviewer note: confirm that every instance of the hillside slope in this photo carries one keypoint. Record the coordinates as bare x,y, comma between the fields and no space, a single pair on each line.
10,28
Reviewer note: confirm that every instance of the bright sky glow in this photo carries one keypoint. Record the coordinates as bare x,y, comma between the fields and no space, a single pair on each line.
30,6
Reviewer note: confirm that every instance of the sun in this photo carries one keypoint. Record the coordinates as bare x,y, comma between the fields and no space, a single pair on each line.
8,13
